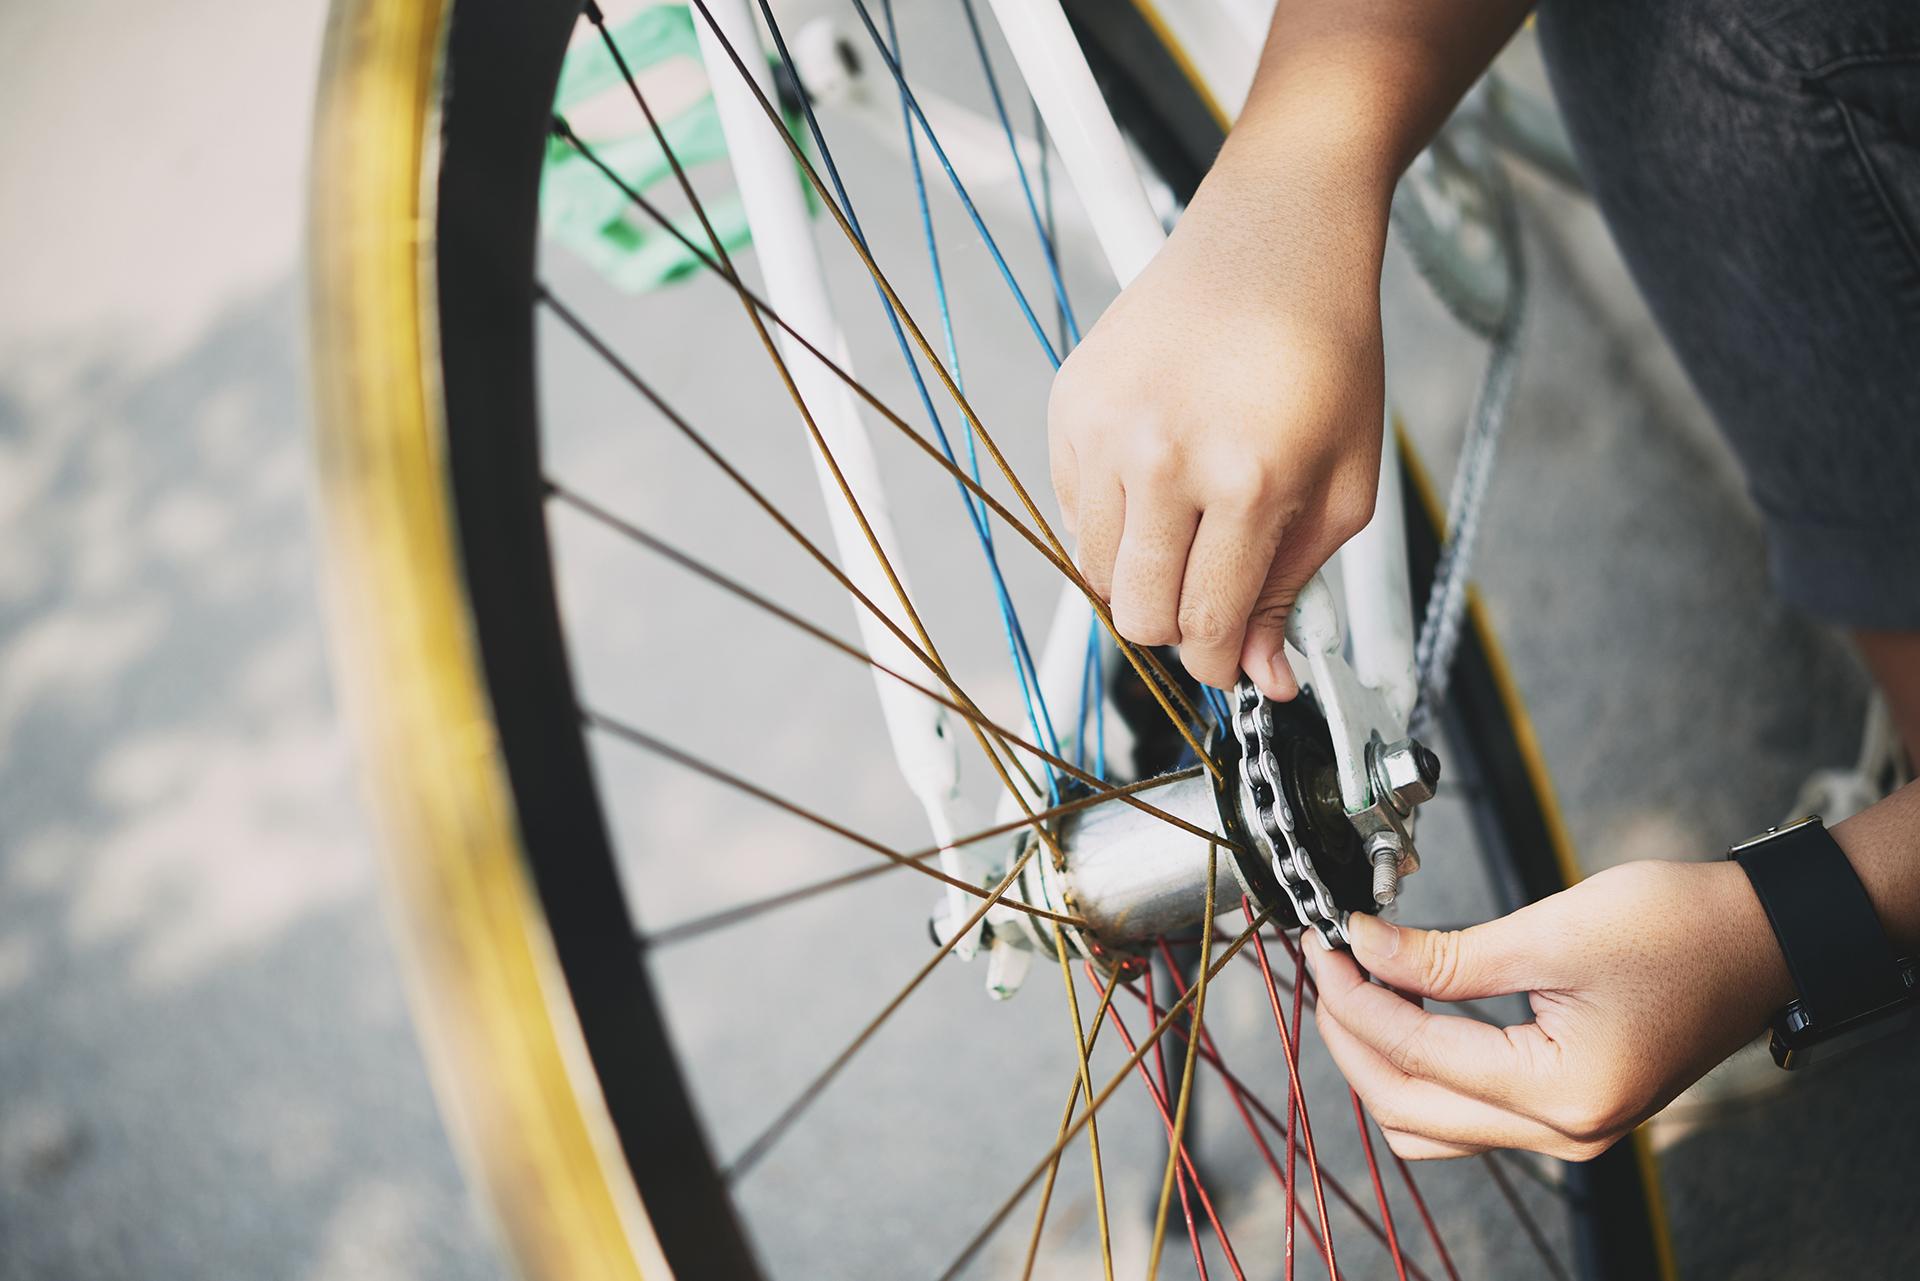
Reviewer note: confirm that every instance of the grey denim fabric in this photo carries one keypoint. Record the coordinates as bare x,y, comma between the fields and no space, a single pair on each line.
1758,163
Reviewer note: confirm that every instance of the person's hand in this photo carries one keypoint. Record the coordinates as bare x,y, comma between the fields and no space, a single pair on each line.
1217,435
1641,979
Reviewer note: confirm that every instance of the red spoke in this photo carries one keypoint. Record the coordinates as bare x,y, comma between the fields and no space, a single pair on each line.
1267,1114
1166,1116
1241,1099
1426,1216
1291,1050
1406,1173
1299,995
1379,1188
1179,1173
1520,1211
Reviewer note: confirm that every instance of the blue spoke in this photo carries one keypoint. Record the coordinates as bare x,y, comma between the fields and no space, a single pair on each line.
926,211
953,178
1038,719
1040,227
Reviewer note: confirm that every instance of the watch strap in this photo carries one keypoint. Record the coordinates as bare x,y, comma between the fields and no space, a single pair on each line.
1837,953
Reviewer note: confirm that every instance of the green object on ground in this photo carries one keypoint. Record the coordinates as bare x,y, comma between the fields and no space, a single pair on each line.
591,216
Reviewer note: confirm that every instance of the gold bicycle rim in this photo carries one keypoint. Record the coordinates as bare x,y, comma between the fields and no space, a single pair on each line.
509,1064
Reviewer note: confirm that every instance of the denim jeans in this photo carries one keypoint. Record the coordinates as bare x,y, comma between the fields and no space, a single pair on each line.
1758,163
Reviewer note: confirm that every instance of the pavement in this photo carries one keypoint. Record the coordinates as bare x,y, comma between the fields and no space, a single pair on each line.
206,1065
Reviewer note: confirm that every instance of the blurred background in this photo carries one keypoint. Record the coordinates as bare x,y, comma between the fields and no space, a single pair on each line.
206,1066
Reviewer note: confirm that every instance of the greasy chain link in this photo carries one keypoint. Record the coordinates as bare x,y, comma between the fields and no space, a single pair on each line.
1269,819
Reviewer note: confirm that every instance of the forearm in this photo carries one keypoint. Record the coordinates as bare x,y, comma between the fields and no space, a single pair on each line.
1346,93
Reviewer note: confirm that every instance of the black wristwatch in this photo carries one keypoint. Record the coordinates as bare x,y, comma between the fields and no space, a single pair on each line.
1852,984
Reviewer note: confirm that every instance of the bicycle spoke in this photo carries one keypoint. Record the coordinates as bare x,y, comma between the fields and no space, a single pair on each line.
765,1140
1520,1211
1159,682
1133,656
1186,1075
592,11
1073,1096
912,105
1426,1217
1188,1171
641,739
962,707
925,651
1042,227
1152,1038
1086,1083
1289,1044
1283,1129
1024,669
1379,1188
1165,1091
840,481
1299,991
1210,1054
1531,1171
681,931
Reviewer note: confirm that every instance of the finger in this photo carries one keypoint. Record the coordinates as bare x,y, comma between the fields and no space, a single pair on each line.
1493,959
1102,508
1262,653
1225,568
1149,565
1461,1054
1064,464
1417,1147
1407,1104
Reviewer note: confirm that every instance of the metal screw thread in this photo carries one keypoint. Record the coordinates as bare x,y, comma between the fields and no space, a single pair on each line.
1386,876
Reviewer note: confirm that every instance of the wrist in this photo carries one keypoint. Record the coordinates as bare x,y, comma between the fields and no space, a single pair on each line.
1746,933
1883,844
1298,220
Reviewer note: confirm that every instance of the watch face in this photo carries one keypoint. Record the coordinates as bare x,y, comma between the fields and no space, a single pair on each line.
1773,832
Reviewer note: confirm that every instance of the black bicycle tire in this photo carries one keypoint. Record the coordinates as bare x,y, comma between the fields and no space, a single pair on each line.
500,66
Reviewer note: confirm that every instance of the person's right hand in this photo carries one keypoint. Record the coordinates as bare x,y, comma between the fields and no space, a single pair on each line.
1217,435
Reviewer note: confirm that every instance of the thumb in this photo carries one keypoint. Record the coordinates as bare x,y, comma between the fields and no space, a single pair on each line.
1447,965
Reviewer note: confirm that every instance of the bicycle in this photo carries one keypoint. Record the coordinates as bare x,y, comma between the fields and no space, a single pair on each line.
573,1045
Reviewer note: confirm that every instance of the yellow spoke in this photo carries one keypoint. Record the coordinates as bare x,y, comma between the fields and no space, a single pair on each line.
760,1146
1195,1025
1073,1097
640,738
1127,650
1107,1091
1086,1083
1102,791
813,428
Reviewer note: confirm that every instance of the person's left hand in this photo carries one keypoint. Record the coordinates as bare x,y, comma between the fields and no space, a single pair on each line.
1641,978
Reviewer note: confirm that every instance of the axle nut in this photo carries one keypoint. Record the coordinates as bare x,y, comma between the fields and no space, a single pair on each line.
1409,773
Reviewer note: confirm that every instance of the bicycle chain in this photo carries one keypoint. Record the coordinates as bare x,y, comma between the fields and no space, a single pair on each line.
1268,818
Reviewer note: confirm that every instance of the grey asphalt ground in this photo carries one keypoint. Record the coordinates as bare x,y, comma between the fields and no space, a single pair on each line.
206,1066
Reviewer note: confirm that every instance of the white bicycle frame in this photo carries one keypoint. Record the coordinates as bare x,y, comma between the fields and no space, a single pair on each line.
1355,646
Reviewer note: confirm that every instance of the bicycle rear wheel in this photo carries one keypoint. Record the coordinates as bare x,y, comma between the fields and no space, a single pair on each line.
560,1023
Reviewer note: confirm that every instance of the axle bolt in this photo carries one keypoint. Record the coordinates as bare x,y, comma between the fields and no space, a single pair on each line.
1383,851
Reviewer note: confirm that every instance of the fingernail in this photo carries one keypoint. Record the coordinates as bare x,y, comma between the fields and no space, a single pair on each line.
1372,935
